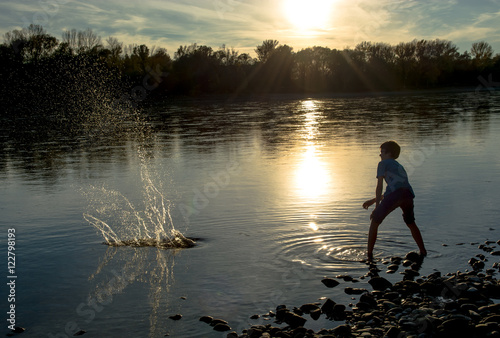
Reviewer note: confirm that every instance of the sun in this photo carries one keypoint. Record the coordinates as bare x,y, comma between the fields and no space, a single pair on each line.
308,14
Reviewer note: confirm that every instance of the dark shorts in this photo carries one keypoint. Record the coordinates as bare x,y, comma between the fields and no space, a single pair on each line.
402,198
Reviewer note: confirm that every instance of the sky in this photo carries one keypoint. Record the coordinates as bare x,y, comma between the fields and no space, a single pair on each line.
244,24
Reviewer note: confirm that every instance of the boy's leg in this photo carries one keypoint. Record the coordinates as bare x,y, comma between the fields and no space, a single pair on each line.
417,236
372,238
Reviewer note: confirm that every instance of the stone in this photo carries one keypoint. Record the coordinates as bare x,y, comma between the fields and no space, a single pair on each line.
327,307
294,320
206,319
307,308
79,333
342,331
380,283
175,317
214,322
354,291
329,282
413,256
315,314
221,327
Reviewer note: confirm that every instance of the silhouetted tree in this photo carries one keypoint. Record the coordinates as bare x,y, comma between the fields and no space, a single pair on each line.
265,50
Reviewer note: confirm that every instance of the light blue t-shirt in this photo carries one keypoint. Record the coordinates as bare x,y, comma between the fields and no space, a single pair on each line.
394,174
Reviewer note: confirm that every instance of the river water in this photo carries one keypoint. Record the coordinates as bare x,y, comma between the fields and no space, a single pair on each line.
271,187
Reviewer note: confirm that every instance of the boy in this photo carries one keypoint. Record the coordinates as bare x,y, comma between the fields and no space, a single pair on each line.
398,193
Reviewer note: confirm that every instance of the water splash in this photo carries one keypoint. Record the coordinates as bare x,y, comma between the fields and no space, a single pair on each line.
121,223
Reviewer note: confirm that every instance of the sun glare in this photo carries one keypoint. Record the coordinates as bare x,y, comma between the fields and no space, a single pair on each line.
312,178
308,15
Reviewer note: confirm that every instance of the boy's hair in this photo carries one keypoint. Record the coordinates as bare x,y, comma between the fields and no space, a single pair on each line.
391,147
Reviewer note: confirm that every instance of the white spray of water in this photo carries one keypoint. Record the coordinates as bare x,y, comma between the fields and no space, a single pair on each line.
121,223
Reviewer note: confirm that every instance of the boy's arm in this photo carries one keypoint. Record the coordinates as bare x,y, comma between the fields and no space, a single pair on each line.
378,193
378,190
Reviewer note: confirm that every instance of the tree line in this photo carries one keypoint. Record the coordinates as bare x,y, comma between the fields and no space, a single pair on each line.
35,63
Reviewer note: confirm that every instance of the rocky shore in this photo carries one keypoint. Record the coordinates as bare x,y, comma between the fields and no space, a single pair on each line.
459,304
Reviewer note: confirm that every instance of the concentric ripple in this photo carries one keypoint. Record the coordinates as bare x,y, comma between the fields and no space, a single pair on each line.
326,248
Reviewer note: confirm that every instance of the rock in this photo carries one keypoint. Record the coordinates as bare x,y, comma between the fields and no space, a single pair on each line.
221,327
327,307
254,317
307,308
413,256
380,283
495,253
206,319
315,314
393,267
342,331
354,291
491,319
393,332
79,333
329,282
294,320
346,278
18,329
233,334
214,322
175,317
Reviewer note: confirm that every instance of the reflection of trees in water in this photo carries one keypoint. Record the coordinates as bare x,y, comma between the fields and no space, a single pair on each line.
45,151
121,267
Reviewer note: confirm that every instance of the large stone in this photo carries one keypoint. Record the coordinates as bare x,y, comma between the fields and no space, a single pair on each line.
221,327
330,282
380,283
294,320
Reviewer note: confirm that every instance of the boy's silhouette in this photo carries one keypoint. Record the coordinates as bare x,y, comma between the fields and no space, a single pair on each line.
398,193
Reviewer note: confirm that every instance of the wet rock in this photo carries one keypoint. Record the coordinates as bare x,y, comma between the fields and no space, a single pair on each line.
221,327
79,333
413,257
19,329
495,253
232,335
175,317
393,267
206,319
327,307
255,317
342,331
329,282
354,291
346,278
380,283
215,322
393,332
294,320
315,314
307,308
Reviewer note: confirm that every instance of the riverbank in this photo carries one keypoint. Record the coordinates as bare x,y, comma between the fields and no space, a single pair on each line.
455,304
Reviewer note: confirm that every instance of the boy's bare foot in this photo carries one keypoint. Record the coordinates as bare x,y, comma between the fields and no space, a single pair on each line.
369,257
423,253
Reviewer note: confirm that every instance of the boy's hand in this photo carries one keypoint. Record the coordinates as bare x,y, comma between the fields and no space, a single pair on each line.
368,203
